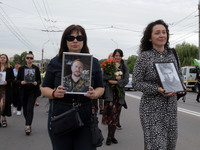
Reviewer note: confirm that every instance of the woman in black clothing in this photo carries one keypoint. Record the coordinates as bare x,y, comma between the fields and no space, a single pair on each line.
5,89
16,95
74,40
29,90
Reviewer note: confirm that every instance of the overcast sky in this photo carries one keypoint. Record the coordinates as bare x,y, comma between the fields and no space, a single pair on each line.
109,24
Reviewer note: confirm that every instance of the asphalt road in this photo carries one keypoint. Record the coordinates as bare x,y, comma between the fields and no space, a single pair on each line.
130,137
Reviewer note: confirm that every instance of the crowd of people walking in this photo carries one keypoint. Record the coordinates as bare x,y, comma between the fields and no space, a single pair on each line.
17,92
158,109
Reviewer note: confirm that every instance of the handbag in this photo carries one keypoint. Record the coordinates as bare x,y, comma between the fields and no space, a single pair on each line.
177,94
180,95
97,136
66,122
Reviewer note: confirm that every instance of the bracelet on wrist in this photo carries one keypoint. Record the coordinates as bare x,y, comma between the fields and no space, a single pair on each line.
53,93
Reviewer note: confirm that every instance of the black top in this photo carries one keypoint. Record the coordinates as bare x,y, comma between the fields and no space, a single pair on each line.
53,79
9,78
29,86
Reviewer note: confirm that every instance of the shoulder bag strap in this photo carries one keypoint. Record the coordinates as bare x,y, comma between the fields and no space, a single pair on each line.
175,54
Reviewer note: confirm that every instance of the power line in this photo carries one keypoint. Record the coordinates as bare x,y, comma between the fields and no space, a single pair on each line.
40,17
14,31
175,23
50,23
184,37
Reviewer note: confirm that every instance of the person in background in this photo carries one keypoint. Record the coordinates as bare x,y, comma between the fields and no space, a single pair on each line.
28,91
113,103
38,95
16,96
198,82
74,39
99,103
5,89
36,102
158,111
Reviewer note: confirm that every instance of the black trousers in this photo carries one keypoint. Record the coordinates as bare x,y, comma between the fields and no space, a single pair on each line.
79,139
16,100
28,106
198,95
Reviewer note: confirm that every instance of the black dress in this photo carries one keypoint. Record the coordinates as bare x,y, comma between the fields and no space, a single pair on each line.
9,78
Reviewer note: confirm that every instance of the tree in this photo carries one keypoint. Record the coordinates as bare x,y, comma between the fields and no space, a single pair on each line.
131,62
20,58
187,53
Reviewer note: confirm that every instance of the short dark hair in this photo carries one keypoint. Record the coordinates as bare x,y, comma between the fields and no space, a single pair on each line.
17,62
30,53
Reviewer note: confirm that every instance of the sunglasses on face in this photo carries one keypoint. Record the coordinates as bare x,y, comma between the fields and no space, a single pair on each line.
72,38
29,58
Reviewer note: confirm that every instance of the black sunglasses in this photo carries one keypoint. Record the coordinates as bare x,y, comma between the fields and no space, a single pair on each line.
29,58
72,38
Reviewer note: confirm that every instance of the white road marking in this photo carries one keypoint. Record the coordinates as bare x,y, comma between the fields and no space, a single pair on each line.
194,113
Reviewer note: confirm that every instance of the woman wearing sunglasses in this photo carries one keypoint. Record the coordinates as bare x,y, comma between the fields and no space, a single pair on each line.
5,89
74,39
29,80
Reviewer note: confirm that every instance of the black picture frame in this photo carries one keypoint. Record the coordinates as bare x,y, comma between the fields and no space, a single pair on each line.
169,77
81,86
2,77
29,75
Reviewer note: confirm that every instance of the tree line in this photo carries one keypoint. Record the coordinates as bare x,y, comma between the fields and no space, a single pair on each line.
186,52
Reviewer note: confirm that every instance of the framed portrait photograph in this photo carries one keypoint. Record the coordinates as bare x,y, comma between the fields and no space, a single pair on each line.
169,77
2,77
29,75
76,72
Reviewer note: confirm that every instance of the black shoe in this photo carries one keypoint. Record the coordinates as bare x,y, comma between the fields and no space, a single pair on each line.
119,127
4,123
108,141
114,140
197,100
101,112
28,130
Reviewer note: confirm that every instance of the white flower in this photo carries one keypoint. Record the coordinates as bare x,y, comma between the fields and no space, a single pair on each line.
118,73
117,65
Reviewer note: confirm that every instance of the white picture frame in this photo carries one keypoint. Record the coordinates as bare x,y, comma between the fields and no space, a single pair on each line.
2,77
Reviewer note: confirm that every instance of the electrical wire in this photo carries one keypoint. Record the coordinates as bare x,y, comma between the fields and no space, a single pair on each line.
50,23
14,30
175,23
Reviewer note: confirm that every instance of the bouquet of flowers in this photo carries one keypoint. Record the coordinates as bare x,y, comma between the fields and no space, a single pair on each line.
110,67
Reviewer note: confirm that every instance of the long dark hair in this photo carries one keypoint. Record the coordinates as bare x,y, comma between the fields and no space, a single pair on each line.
145,44
68,31
120,52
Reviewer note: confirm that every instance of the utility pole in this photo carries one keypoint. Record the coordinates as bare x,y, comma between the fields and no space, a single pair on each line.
42,68
199,28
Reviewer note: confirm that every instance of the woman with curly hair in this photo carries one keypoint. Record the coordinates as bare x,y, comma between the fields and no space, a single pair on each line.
158,110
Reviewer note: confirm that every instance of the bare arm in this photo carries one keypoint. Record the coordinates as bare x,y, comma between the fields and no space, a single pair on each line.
59,92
